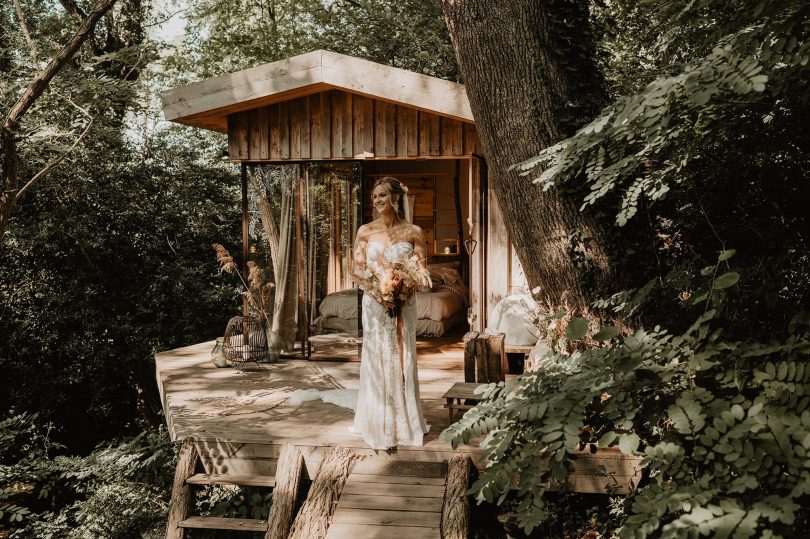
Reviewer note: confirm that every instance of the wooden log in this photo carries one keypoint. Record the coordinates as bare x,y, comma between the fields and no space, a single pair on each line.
181,493
469,356
455,522
497,359
491,363
288,480
315,516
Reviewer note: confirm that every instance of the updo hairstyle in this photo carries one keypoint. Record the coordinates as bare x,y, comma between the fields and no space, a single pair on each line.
395,187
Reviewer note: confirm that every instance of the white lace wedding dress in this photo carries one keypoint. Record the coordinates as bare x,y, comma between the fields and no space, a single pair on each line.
389,411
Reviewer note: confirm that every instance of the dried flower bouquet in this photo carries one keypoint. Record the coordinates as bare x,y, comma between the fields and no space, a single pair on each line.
392,283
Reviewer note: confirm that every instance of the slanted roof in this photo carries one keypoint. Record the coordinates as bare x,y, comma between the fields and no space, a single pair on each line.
208,103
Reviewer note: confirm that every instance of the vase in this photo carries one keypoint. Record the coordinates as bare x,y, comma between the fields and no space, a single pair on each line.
273,346
217,356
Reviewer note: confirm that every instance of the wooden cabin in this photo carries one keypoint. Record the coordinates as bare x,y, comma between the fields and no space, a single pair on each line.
329,107
335,116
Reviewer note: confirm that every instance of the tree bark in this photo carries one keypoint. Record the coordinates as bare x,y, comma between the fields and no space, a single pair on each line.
181,493
456,508
288,481
315,516
531,81
34,90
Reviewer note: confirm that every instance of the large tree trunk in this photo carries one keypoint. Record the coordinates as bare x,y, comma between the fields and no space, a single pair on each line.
531,81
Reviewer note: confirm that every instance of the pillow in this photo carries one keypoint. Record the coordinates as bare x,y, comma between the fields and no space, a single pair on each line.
444,275
451,265
512,316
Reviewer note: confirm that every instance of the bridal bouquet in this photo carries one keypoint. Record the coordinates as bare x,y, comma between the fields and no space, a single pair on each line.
392,283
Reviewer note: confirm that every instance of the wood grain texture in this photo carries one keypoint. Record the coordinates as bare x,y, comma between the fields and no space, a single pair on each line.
300,136
288,482
219,523
394,489
390,503
222,479
367,531
320,125
362,126
407,132
456,510
180,503
422,519
315,516
341,104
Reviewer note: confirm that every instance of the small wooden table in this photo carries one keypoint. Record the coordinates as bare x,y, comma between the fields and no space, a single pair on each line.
460,392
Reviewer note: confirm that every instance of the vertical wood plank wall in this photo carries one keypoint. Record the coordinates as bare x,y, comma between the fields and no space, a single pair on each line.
340,125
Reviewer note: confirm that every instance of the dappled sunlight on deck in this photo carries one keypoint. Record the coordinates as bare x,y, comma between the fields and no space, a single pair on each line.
203,402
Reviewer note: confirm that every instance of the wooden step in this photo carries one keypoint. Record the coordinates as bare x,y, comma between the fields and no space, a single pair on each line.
219,523
228,479
366,531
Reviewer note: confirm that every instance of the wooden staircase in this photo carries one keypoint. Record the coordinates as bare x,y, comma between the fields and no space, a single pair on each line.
353,495
257,472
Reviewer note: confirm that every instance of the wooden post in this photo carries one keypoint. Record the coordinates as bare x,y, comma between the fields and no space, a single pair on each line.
469,356
315,516
488,357
456,509
288,480
181,493
245,236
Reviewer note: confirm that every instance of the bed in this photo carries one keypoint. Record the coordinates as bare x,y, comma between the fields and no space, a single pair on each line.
437,311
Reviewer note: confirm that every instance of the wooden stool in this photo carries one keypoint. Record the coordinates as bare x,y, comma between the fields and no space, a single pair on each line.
457,394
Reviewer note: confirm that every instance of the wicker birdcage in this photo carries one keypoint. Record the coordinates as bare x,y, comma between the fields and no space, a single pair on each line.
245,340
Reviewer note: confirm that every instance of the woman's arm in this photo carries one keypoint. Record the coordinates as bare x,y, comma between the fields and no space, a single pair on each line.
419,248
360,247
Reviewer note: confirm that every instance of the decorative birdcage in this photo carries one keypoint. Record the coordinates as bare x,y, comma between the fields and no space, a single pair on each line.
245,340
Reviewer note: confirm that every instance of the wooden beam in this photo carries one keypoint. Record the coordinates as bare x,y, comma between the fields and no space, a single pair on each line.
315,516
309,73
181,493
288,481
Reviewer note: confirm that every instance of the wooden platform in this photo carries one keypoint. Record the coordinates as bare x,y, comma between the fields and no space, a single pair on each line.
239,420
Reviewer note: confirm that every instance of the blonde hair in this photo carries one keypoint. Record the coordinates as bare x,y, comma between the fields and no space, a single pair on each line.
395,187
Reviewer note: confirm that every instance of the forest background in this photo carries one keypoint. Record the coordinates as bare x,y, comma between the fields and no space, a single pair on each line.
702,185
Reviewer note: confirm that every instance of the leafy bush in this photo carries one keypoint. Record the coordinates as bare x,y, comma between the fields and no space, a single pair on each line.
120,490
723,426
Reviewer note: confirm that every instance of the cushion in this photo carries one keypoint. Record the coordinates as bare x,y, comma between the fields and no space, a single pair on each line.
513,316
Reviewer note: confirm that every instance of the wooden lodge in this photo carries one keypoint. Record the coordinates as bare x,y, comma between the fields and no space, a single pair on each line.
237,426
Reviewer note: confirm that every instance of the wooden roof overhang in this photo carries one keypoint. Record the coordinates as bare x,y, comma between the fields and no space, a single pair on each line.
325,105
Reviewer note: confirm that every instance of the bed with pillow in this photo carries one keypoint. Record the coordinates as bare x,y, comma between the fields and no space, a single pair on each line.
437,311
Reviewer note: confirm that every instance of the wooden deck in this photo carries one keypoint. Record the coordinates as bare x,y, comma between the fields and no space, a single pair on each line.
225,406
239,420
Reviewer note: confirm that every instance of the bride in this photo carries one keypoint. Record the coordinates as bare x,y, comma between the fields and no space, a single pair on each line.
389,410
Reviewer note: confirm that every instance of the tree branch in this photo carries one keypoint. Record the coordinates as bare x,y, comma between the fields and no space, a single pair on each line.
41,81
73,8
24,28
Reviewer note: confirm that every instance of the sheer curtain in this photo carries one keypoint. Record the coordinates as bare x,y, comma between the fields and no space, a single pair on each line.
276,189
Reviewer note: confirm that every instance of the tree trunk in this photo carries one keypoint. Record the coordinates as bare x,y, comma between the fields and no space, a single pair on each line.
315,516
531,81
456,508
288,481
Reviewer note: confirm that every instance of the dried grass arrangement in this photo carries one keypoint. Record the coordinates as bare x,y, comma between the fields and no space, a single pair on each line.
249,338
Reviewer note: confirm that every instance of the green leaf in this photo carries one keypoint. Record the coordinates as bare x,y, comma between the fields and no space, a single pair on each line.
606,333
628,443
726,280
576,329
725,255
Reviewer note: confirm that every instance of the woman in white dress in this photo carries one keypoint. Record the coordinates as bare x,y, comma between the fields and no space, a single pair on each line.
389,410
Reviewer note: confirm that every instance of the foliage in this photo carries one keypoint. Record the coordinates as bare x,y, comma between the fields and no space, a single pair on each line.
723,426
227,36
120,490
703,146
